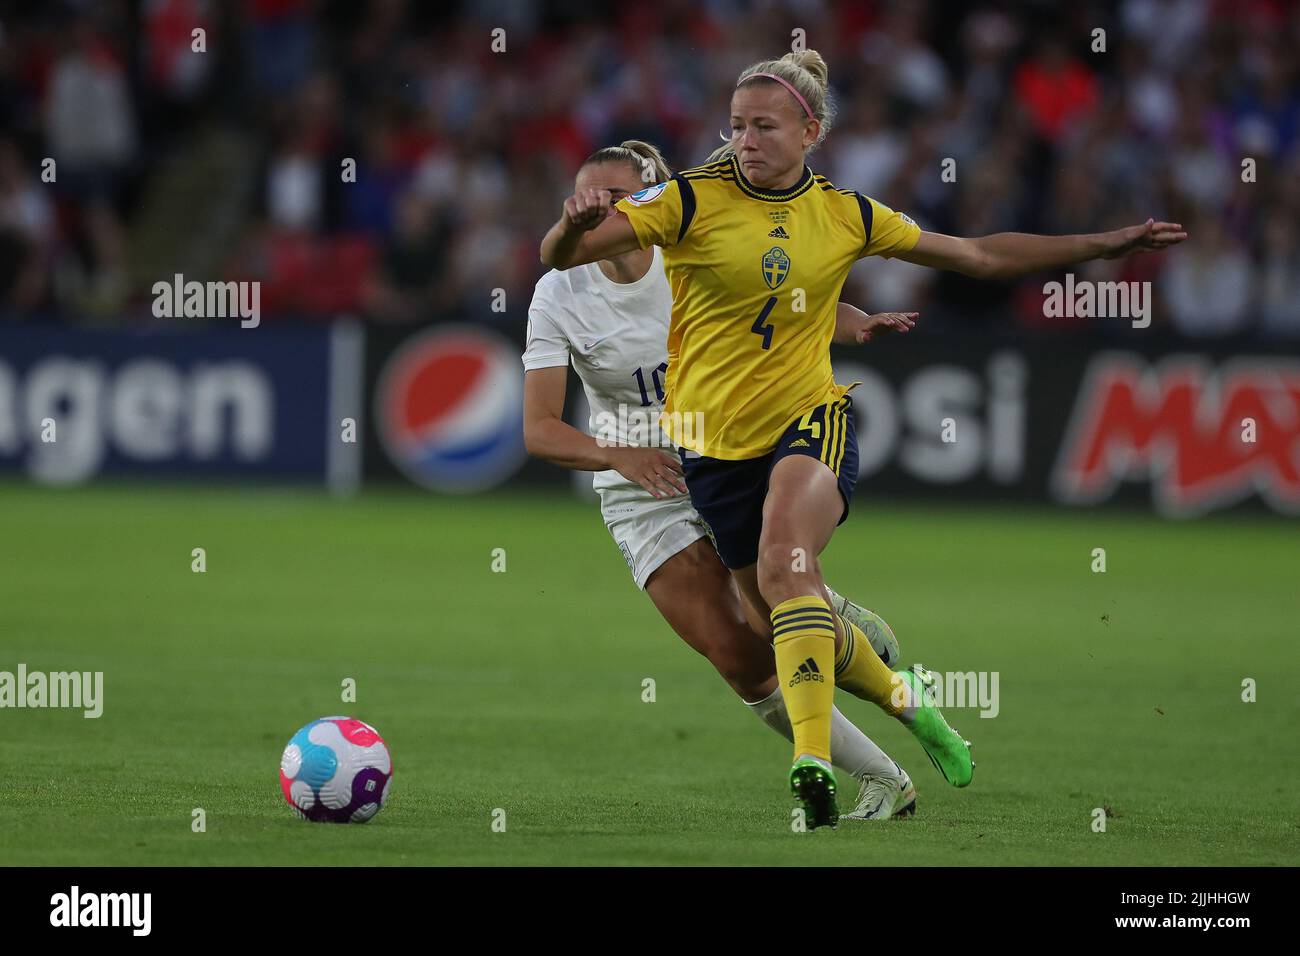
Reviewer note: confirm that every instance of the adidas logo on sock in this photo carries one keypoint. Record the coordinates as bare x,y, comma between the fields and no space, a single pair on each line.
807,671
778,233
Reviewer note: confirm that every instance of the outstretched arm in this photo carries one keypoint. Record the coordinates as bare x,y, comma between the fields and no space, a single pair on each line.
1004,255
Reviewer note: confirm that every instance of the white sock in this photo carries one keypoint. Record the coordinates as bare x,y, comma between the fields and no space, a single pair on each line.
851,749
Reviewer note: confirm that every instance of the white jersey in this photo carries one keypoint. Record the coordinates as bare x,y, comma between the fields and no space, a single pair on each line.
616,336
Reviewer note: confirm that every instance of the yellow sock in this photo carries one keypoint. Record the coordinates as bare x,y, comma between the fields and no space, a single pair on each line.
803,636
860,671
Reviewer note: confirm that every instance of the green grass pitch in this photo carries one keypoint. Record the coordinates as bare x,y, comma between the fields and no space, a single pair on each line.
522,690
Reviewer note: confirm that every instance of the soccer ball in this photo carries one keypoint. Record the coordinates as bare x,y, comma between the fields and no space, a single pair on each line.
336,770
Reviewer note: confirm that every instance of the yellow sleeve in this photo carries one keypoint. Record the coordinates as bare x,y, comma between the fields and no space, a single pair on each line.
655,213
891,232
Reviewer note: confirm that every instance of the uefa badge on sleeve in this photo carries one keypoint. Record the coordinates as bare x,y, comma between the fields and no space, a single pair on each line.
647,195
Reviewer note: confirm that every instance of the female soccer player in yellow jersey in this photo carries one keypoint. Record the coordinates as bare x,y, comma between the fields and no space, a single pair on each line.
756,249
610,320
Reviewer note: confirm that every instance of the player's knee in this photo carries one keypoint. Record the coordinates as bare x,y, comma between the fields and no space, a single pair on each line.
784,570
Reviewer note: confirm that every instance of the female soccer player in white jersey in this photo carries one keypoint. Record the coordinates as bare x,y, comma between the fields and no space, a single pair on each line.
610,319
753,311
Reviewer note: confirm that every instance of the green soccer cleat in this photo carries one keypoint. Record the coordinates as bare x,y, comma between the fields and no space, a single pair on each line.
946,748
813,786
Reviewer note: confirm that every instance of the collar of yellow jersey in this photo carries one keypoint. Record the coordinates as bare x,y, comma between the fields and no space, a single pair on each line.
772,195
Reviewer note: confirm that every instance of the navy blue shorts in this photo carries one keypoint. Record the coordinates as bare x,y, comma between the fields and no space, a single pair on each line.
729,495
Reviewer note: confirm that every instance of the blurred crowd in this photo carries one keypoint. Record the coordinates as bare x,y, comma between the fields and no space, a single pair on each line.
972,118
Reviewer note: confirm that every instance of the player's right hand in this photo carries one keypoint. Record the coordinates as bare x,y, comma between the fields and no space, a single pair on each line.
653,469
588,208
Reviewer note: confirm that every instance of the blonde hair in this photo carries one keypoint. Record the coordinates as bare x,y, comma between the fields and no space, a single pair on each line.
807,72
645,159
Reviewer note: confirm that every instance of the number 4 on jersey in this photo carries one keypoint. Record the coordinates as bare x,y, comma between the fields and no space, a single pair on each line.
765,330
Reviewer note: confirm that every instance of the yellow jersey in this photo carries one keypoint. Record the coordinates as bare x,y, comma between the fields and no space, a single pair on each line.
755,276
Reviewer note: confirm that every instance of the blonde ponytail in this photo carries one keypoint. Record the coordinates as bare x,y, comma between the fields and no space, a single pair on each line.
644,158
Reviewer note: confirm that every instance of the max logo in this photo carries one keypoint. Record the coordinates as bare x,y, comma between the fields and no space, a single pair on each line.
1187,428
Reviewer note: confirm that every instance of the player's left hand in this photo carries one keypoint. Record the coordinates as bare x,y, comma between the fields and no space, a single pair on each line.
1151,236
881,323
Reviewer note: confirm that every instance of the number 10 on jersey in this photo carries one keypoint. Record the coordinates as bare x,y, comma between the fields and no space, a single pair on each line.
655,380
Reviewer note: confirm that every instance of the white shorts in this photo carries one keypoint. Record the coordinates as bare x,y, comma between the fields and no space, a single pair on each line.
649,530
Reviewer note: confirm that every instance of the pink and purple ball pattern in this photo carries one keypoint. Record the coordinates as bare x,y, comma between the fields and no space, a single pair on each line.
336,770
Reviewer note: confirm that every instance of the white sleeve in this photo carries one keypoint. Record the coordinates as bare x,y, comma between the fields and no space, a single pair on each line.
546,346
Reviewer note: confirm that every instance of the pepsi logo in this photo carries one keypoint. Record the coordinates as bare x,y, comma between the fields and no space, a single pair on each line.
449,404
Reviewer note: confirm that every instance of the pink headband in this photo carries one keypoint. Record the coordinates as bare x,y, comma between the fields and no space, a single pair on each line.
793,92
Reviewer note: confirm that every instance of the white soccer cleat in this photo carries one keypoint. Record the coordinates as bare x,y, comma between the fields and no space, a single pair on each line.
884,797
880,634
